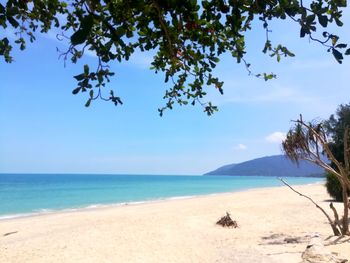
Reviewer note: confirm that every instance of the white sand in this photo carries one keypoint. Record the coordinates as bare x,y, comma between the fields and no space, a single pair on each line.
175,230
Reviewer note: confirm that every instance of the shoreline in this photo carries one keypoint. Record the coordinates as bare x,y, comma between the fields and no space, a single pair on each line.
94,207
180,230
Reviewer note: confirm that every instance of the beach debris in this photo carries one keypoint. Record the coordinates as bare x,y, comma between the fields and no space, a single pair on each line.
317,253
280,239
226,221
10,233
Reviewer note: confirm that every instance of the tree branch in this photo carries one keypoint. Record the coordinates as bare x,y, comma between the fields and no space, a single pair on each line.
346,157
336,217
333,225
324,144
163,26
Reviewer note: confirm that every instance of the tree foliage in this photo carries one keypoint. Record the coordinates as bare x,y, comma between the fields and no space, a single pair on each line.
334,188
188,36
310,141
335,127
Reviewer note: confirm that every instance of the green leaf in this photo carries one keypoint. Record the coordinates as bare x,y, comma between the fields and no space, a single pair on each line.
2,9
79,77
289,53
337,55
76,91
87,22
119,32
142,33
13,21
269,76
129,34
347,52
119,100
267,46
341,46
310,18
341,3
338,22
91,93
87,104
86,69
81,35
323,20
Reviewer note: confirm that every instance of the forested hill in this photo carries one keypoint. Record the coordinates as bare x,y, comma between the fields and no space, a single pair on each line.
277,165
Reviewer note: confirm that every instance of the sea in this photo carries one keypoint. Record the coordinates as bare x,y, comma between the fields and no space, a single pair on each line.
31,194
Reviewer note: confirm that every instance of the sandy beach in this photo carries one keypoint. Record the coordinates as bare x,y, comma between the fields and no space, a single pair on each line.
177,230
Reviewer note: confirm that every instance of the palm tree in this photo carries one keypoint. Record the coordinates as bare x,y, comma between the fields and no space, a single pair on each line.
309,141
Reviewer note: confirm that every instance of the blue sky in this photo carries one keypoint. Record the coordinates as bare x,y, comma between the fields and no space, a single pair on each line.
46,129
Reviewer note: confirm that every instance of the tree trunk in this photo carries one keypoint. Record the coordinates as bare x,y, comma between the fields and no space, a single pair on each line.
335,230
336,223
345,227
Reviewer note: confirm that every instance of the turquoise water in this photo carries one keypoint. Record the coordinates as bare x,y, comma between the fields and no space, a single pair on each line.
23,194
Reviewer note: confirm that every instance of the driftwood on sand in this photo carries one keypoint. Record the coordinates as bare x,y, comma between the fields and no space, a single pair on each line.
10,233
226,221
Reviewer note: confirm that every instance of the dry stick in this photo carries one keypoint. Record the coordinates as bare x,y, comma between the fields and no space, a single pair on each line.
346,156
336,217
345,184
333,225
10,233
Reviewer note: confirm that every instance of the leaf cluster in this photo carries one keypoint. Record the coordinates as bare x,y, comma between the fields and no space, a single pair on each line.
305,141
335,127
189,37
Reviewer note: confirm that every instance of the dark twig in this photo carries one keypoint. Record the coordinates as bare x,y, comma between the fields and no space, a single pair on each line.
10,233
333,224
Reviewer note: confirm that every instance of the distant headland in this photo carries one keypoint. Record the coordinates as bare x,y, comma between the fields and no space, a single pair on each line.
276,165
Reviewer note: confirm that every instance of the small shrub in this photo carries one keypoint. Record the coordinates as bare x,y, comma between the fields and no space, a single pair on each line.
333,187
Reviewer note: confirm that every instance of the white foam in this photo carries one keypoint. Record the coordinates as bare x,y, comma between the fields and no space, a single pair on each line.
99,206
181,197
11,216
90,207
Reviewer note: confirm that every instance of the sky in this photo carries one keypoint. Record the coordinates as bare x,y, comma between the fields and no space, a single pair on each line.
46,129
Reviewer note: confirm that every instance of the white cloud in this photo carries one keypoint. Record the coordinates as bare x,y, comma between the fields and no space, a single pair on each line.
275,91
241,146
141,59
275,137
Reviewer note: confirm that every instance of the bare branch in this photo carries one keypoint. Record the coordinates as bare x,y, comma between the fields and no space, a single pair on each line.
324,144
346,157
333,224
308,141
336,217
325,166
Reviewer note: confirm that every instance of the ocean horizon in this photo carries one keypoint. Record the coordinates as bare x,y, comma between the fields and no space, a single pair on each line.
31,194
